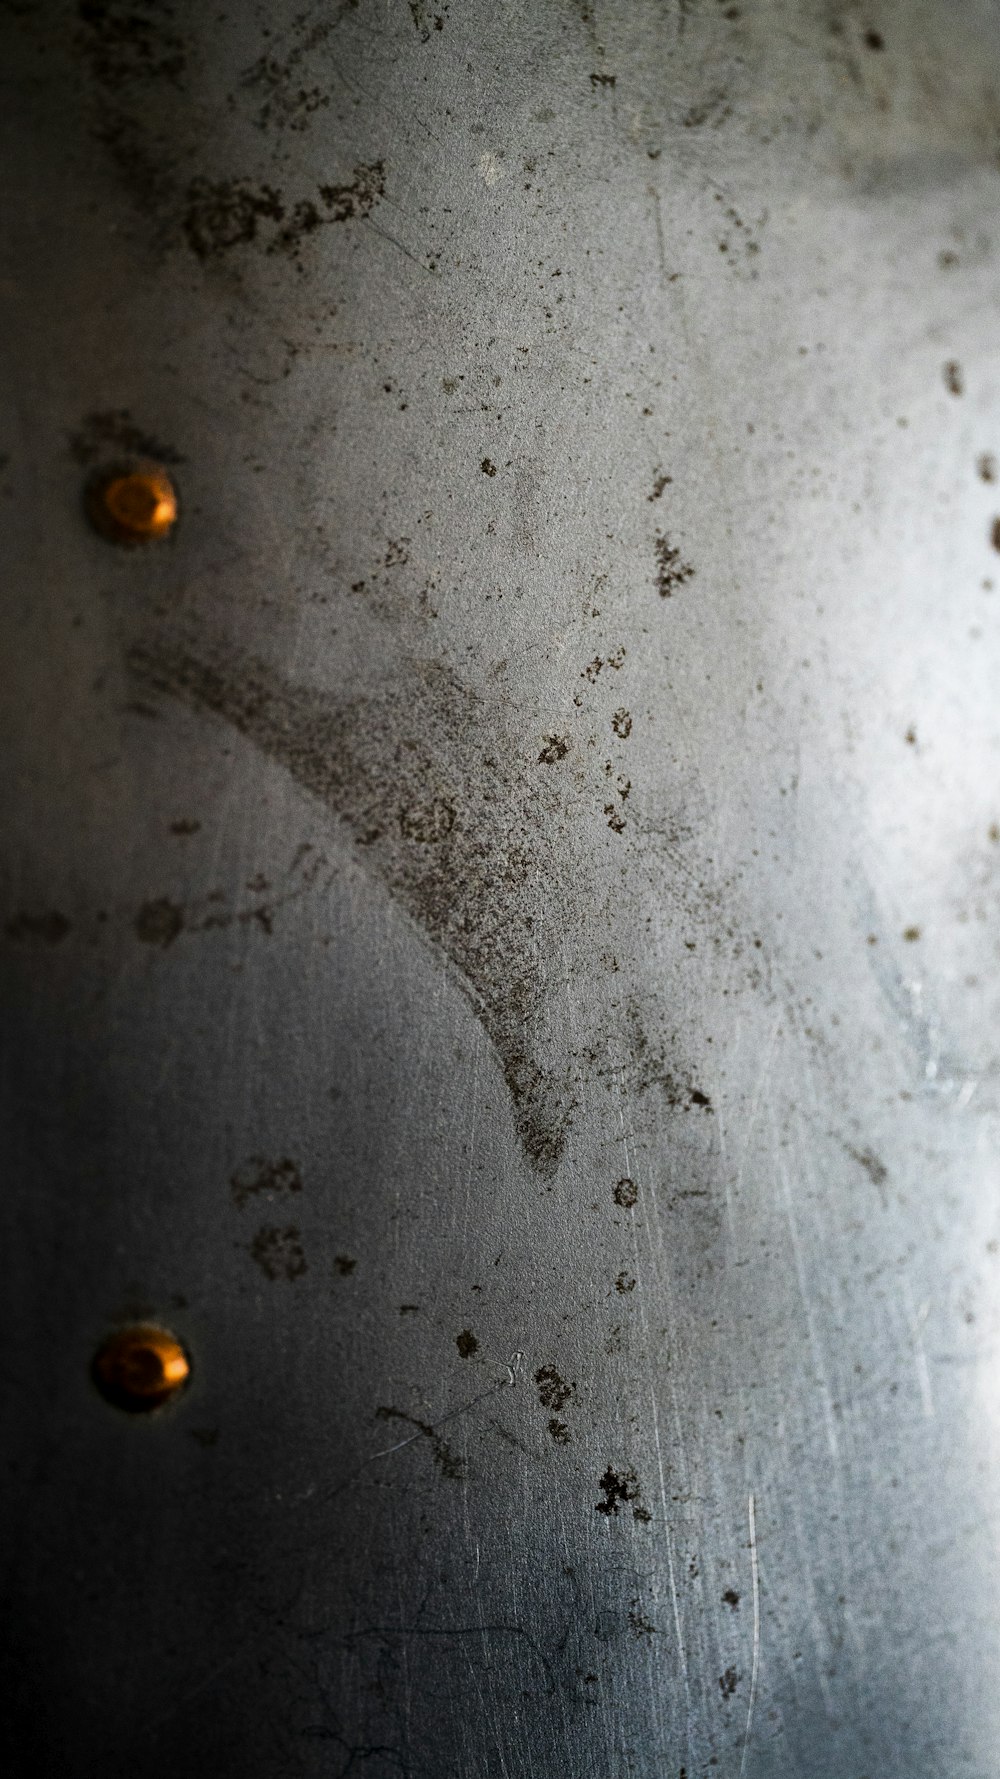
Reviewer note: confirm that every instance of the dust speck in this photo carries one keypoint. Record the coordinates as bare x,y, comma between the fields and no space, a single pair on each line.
954,382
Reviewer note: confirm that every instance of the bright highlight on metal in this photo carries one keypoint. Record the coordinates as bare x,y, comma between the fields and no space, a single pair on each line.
135,505
140,1368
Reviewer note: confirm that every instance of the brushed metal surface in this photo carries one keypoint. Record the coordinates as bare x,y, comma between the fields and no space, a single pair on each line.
500,909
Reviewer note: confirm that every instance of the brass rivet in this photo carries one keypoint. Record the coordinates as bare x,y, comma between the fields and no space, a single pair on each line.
139,1368
133,504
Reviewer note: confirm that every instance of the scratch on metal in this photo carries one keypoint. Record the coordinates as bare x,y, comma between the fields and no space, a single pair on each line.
755,1577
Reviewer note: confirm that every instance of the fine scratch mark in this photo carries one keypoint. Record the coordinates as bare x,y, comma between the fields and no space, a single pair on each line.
917,1318
428,1430
815,1343
632,1169
444,1457
755,1577
178,1704
758,1092
396,243
660,243
501,1627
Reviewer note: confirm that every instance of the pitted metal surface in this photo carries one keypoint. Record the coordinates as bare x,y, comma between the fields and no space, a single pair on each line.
500,905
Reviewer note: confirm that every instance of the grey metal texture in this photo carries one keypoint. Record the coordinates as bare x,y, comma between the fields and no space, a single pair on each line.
500,910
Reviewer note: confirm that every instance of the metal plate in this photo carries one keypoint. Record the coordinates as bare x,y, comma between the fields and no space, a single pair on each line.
501,908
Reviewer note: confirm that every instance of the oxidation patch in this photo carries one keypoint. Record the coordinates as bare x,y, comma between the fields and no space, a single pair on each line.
227,213
440,812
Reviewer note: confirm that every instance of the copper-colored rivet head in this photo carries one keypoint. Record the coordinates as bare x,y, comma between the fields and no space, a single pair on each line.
133,504
139,1368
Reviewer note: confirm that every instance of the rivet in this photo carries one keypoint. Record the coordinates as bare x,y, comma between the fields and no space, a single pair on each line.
133,503
140,1367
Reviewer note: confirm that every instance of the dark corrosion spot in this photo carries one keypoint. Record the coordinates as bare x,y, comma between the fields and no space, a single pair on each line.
344,1265
488,467
50,927
953,380
113,431
621,723
260,1175
626,1194
995,534
222,214
559,1431
466,1343
279,1252
129,43
728,1683
671,572
874,40
624,1283
876,1170
619,1487
911,934
553,1391
159,922
303,219
556,748
731,1598
639,1624
359,196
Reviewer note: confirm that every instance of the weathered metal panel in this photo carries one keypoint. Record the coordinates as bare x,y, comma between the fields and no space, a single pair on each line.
500,907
